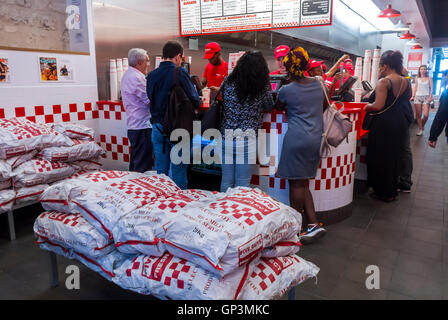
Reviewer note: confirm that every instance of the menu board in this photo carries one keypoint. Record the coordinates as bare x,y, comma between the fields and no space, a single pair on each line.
223,16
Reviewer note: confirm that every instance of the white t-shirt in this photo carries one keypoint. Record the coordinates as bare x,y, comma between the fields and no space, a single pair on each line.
423,87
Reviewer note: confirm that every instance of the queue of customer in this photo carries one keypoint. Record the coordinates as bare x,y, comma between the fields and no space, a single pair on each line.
246,96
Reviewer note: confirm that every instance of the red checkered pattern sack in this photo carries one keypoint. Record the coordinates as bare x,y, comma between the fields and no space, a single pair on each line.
5,171
5,184
81,150
283,248
31,194
73,232
103,202
56,197
74,130
19,136
14,162
169,277
87,165
240,224
138,231
38,171
272,278
104,265
7,198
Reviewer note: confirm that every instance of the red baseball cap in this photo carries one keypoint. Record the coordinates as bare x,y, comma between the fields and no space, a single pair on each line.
348,61
281,51
210,50
315,64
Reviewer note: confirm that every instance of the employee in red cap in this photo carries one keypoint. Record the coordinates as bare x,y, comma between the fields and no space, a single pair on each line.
280,53
316,69
216,70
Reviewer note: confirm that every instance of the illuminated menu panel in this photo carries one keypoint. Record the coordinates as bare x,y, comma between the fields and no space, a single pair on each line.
220,16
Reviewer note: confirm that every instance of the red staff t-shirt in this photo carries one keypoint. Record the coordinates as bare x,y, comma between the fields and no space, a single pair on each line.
215,74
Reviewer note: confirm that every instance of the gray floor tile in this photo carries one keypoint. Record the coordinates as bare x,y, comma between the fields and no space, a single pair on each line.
415,286
419,266
347,289
423,234
382,257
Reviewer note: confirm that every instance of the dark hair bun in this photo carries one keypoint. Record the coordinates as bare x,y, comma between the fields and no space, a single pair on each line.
393,59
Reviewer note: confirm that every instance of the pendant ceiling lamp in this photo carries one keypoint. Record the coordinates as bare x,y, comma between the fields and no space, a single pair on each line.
389,12
400,26
407,36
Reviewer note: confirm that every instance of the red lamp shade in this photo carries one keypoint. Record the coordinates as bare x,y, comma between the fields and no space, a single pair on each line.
417,47
389,12
407,36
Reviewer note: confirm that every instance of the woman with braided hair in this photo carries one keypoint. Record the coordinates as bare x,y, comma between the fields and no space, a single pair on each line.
304,101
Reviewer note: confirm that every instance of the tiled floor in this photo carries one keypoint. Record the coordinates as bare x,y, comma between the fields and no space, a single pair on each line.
407,240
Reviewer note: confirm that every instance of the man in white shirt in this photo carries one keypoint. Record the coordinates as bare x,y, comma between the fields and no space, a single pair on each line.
136,104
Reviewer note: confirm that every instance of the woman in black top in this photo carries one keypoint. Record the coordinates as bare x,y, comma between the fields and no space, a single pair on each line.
388,128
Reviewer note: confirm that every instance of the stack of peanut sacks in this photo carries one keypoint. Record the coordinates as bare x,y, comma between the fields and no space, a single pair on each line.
143,233
33,156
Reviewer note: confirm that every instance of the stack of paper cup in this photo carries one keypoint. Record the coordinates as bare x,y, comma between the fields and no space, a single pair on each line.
358,94
125,65
119,75
206,98
367,65
375,67
358,73
113,80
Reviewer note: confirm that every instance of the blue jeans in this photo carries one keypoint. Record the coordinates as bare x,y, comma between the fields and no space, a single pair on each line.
162,161
235,174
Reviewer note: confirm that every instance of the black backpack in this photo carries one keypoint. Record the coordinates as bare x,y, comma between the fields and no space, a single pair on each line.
180,112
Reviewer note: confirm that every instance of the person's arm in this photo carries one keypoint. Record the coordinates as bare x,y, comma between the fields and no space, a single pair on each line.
204,78
268,101
440,120
149,88
332,89
204,82
334,68
414,89
380,96
189,88
140,92
280,104
431,87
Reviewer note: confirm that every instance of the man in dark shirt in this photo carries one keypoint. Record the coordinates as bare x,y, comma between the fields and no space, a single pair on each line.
159,83
440,121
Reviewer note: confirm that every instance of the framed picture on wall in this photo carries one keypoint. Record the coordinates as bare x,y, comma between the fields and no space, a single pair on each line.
57,26
66,70
5,70
48,69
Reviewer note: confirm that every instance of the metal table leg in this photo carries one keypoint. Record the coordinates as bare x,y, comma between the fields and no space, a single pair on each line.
12,230
53,264
292,294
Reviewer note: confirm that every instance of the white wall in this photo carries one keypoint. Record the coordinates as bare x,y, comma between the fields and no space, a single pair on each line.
26,90
392,42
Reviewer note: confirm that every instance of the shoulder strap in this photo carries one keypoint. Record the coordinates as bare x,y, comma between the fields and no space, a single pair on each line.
396,99
324,89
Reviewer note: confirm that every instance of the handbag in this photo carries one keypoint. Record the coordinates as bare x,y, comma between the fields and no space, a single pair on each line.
212,118
368,118
336,126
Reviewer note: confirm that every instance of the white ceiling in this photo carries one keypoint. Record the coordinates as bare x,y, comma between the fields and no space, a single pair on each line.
410,13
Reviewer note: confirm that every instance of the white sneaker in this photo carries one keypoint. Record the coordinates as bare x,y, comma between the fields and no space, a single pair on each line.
312,233
420,133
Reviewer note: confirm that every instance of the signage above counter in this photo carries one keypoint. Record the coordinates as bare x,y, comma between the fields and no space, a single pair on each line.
224,16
